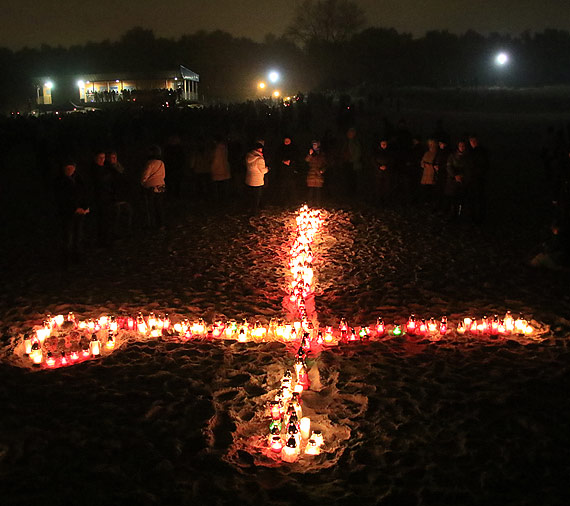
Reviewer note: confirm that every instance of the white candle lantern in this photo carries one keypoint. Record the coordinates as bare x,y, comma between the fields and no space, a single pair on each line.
317,436
290,450
27,344
305,427
50,360
36,355
312,448
141,325
95,346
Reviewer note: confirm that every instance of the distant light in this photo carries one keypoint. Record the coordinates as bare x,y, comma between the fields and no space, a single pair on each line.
273,76
261,85
502,59
48,85
80,84
176,79
87,82
116,80
276,93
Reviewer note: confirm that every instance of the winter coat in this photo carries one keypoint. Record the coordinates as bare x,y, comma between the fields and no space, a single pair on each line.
220,167
352,154
458,164
256,168
383,157
287,152
317,167
153,174
427,165
71,193
480,162
441,164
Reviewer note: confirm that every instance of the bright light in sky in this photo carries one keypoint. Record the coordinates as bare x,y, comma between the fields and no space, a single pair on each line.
502,59
49,85
274,76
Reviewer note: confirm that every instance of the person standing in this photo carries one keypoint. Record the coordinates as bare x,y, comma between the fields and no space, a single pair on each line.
427,164
315,177
104,197
121,194
152,181
220,170
352,165
72,205
458,178
440,168
255,176
477,189
384,166
288,171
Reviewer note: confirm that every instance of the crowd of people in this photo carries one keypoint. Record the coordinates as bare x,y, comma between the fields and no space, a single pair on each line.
264,156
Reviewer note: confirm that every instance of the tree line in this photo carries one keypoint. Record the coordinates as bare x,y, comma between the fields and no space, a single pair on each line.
326,47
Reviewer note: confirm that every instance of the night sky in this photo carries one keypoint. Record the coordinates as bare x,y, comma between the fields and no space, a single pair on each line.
67,22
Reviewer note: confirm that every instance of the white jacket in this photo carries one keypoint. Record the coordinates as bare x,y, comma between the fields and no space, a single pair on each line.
153,174
256,168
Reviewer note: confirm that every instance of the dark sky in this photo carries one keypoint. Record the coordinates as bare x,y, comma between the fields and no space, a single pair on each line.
66,22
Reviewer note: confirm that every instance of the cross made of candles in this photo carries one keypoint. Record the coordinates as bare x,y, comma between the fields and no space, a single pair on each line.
65,340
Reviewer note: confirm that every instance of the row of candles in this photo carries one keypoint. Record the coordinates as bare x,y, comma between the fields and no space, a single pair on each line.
290,432
308,223
104,332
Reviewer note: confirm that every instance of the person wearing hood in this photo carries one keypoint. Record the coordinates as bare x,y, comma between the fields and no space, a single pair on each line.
315,177
255,175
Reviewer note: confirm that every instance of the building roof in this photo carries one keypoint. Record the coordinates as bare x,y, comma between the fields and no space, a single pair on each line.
182,73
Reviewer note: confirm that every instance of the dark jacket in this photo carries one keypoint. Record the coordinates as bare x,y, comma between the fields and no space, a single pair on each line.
70,193
458,164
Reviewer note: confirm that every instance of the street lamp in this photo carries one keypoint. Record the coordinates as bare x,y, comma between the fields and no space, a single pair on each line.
276,93
502,59
261,85
48,85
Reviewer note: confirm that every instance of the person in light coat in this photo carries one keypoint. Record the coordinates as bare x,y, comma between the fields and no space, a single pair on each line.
152,181
220,170
255,176
428,165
